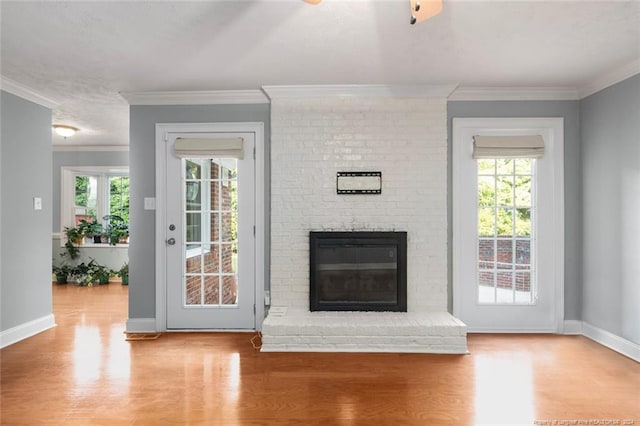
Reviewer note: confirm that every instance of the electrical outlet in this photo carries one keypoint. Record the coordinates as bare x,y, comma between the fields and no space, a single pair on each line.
37,203
267,298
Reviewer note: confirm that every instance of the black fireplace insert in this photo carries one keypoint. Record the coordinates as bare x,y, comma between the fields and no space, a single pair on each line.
358,271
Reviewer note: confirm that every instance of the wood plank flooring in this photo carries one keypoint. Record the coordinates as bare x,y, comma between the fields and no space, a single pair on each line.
84,372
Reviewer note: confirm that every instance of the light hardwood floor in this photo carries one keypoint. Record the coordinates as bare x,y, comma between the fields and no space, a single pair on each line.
84,372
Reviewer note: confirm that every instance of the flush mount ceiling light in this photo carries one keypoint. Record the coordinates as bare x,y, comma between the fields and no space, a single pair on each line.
420,10
64,131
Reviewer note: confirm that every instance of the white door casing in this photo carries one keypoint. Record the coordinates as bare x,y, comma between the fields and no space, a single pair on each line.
166,165
547,313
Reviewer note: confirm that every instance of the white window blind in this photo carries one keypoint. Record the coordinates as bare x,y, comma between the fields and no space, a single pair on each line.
508,146
209,147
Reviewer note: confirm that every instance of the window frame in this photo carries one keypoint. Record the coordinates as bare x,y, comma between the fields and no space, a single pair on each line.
68,196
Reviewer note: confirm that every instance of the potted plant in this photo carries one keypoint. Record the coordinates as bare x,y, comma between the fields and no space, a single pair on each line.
92,273
62,273
124,273
117,229
100,274
91,229
74,238
123,235
83,226
116,235
74,235
81,274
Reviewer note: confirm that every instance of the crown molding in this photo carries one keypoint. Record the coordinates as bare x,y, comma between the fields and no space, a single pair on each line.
25,92
204,97
90,148
514,94
357,90
611,78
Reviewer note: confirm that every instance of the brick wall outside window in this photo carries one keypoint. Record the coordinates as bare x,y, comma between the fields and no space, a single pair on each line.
505,261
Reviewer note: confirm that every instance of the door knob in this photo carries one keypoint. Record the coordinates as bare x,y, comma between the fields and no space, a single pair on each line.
171,241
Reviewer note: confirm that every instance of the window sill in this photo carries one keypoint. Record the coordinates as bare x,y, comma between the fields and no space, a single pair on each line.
102,245
94,245
195,252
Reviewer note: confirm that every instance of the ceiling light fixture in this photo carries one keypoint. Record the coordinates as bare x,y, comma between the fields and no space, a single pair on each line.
419,12
64,131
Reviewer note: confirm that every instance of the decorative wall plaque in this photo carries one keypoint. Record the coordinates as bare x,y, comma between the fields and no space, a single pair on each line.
359,183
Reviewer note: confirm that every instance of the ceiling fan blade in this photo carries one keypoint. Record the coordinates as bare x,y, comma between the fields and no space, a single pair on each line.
421,10
312,1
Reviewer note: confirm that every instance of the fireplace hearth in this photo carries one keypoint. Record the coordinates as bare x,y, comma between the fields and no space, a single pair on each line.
358,271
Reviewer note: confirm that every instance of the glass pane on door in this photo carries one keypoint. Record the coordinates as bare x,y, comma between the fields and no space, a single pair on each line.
505,273
210,240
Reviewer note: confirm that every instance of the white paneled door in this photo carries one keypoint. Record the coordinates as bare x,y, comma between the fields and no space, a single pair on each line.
508,232
209,231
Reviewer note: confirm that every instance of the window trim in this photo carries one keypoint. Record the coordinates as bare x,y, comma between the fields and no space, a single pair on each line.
67,193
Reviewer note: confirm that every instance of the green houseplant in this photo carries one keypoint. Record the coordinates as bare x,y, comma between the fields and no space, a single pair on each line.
124,235
99,274
91,229
74,234
124,273
118,236
74,238
84,227
92,273
62,273
88,274
117,229
81,274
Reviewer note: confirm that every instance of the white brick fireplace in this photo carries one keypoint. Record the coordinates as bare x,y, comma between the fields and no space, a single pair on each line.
314,135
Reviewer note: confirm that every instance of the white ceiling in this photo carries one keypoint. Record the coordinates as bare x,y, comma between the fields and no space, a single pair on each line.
82,54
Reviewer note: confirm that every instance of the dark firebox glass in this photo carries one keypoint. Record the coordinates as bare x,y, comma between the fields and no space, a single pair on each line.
358,271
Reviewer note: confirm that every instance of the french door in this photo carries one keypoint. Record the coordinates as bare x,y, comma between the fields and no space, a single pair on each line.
209,232
508,231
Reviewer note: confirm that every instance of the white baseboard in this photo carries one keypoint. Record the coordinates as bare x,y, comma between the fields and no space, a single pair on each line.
141,325
572,327
612,341
603,337
28,329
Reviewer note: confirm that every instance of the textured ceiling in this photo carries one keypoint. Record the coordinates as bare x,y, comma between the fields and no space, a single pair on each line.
82,54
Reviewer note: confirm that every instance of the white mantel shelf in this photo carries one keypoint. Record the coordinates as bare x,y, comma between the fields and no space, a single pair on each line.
394,332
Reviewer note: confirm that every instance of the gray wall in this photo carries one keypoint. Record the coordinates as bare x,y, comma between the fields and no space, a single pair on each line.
84,159
611,209
570,110
25,143
142,172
